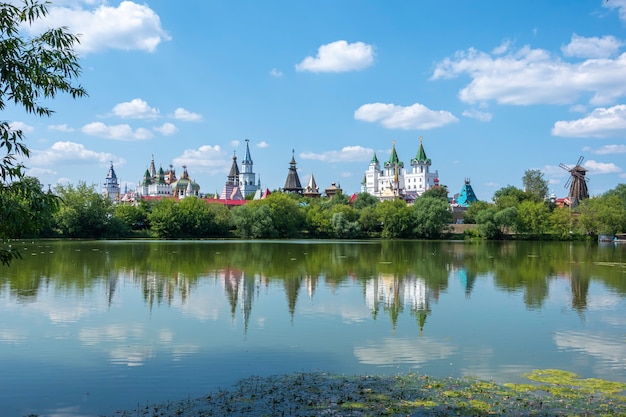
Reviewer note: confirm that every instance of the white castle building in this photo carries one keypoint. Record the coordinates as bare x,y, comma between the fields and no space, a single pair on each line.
393,180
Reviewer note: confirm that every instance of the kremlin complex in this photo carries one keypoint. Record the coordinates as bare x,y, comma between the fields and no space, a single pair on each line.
385,181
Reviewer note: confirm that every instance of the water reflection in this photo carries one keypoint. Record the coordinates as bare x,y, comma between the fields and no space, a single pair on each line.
120,317
395,275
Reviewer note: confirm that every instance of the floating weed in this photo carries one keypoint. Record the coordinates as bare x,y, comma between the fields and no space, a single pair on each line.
556,393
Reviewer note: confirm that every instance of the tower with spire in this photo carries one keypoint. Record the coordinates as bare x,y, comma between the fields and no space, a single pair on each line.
247,177
111,187
292,183
231,190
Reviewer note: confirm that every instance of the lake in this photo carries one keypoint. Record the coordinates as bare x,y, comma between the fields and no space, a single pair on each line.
91,327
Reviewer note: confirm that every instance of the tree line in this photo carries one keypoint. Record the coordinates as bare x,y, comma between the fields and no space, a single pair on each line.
80,211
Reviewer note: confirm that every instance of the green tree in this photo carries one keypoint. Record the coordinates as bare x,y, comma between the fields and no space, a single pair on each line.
32,70
395,217
27,212
364,200
431,216
286,213
85,213
344,228
254,220
535,184
369,220
470,215
532,218
561,223
135,217
510,196
437,192
602,215
161,218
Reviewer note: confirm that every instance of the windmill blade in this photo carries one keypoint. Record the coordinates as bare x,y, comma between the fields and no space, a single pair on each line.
568,182
565,167
580,160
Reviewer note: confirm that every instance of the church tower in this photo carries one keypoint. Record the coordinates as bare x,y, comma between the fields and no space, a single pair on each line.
111,187
247,176
231,190
292,183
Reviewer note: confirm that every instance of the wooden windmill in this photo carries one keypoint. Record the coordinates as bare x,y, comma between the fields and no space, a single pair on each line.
577,183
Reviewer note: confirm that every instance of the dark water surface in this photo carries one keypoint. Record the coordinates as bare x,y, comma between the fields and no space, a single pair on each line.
88,328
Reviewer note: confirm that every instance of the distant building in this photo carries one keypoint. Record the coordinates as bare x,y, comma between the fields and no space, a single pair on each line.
392,180
241,184
111,187
466,196
231,190
165,184
247,177
292,183
311,190
333,190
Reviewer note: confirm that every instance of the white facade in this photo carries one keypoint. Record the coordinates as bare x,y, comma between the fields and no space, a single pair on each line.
393,179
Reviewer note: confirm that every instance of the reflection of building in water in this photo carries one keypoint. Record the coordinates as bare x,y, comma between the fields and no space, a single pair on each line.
579,286
161,288
467,279
394,293
240,291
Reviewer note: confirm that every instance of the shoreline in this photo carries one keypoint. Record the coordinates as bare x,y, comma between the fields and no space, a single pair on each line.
549,393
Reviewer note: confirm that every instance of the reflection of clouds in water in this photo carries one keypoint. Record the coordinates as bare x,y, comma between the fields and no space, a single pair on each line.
611,351
130,345
399,351
13,336
133,355
59,311
327,305
182,350
114,332
603,302
614,320
204,304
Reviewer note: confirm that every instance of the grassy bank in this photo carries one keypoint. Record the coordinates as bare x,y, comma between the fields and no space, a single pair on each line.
548,393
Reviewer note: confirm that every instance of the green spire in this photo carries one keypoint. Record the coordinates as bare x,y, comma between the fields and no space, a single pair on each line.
393,158
374,160
421,157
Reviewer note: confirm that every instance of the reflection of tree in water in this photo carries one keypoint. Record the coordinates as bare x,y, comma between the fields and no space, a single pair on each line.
170,270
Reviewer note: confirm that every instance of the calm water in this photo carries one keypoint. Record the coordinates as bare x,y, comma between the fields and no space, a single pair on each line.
88,328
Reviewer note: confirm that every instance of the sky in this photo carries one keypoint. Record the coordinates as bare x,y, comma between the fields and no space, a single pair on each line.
493,88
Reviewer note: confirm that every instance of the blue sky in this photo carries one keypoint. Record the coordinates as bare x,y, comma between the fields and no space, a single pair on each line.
494,88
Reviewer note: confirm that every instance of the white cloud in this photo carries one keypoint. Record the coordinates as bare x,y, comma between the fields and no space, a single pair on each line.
339,56
478,115
70,153
532,76
346,154
21,126
205,159
235,143
595,167
610,150
129,26
187,116
61,128
594,47
617,4
276,73
416,116
262,144
135,109
602,122
167,129
117,132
